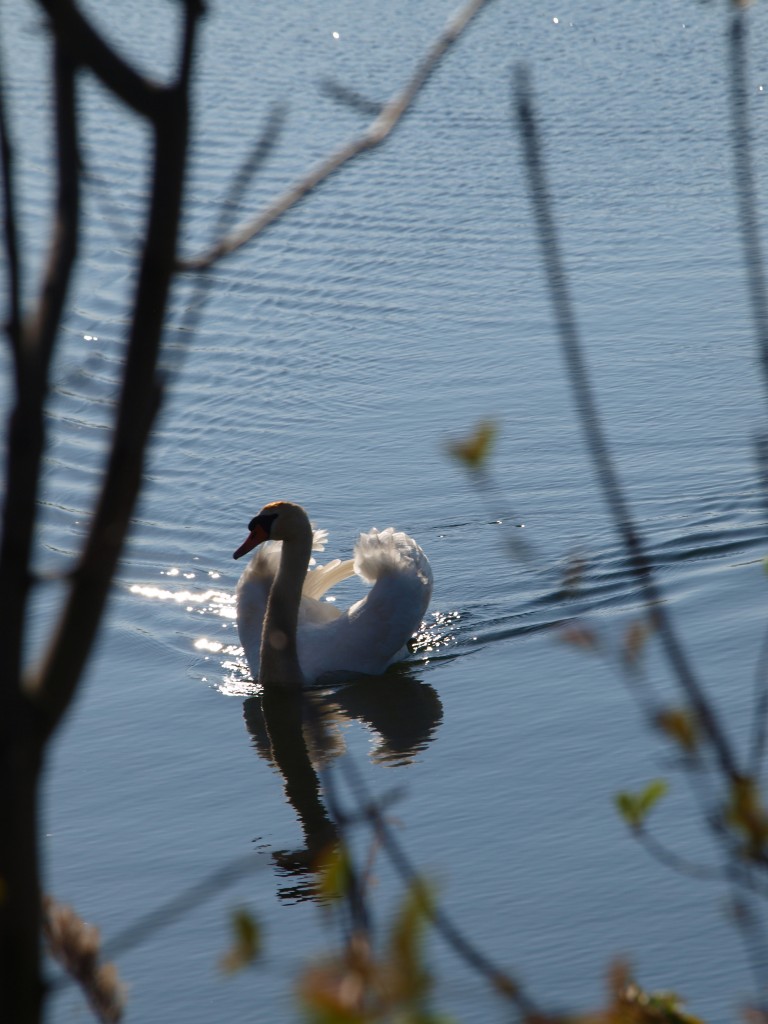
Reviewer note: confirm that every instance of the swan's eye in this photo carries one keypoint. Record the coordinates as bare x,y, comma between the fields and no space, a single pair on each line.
264,521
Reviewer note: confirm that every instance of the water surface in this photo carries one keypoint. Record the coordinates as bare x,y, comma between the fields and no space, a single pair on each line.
330,365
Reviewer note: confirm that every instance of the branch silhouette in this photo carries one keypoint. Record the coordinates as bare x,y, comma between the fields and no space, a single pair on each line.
374,135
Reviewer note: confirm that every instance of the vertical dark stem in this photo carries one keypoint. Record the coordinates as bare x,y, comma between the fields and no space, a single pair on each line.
141,394
21,726
755,272
760,718
10,240
595,436
745,187
26,433
32,705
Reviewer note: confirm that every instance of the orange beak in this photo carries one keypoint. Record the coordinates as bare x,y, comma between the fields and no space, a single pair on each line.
257,536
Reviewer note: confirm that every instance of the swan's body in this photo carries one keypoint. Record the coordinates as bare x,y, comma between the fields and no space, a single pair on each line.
290,636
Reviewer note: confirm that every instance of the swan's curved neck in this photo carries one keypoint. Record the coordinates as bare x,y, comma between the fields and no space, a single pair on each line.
279,660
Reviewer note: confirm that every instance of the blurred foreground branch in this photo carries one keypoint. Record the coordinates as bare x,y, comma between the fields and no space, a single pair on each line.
36,692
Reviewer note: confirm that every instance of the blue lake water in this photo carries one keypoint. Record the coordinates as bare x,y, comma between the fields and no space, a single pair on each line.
330,364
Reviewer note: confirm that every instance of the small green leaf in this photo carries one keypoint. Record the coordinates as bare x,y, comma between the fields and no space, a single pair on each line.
634,807
408,926
667,1006
334,873
474,450
680,725
625,802
246,942
652,793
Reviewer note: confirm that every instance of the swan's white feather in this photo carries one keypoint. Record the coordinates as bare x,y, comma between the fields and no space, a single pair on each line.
320,580
365,638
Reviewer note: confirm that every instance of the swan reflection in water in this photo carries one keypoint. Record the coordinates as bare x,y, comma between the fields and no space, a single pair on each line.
301,733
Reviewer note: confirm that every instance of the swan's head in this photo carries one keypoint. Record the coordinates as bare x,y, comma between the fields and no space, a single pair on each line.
280,520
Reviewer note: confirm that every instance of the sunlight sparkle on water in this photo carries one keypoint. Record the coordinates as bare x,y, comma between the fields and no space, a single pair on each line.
179,596
237,680
433,637
215,602
335,35
214,646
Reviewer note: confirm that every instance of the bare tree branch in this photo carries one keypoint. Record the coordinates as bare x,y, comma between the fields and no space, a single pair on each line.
10,238
251,165
21,723
86,47
176,907
53,683
40,332
27,434
377,131
349,98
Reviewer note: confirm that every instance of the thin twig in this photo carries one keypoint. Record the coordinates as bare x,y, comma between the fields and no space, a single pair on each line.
379,129
178,906
349,98
670,859
499,978
253,162
595,436
760,715
749,925
230,205
10,238
755,271
168,913
754,262
41,333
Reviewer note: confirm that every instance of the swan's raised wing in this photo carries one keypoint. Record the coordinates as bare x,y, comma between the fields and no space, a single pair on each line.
320,580
313,611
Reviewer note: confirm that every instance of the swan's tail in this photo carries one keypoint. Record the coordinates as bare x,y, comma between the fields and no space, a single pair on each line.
385,552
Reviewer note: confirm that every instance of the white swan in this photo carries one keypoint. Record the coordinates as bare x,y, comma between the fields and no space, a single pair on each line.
305,638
